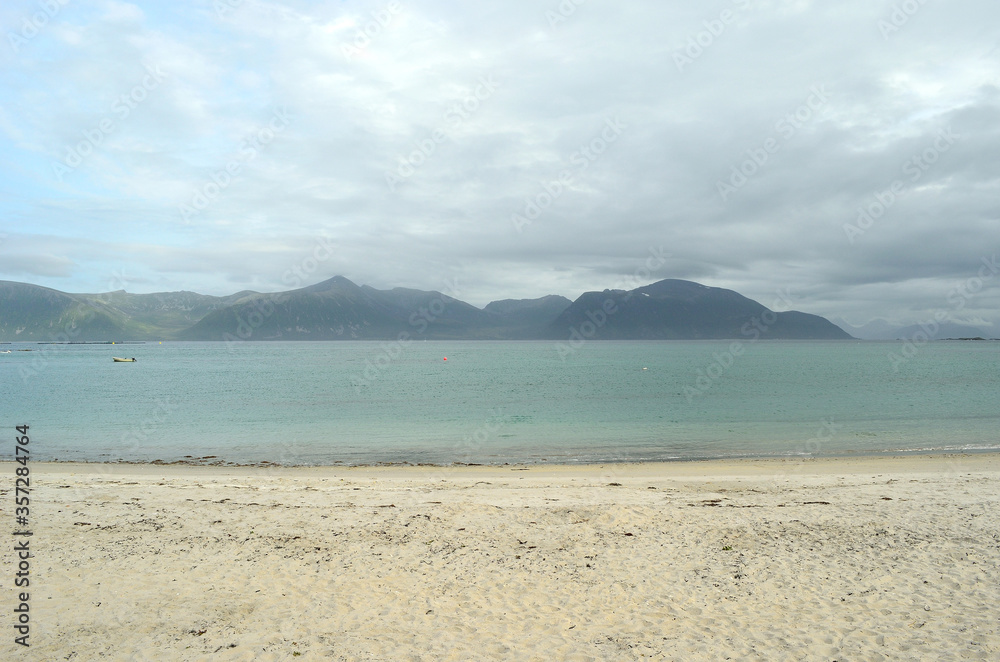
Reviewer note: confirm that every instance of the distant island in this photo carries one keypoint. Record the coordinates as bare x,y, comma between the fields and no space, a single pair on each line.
338,309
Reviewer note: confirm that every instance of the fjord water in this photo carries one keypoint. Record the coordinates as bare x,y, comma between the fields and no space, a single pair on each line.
301,403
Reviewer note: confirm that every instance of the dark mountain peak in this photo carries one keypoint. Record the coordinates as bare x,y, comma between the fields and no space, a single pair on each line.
337,283
681,309
686,290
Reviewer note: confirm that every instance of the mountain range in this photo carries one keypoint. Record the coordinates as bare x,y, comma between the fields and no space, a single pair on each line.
880,329
338,309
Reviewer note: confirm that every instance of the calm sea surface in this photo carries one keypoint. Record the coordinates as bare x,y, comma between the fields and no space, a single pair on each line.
494,402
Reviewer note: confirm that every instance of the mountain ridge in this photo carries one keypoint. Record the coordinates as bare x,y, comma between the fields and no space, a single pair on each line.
880,329
339,309
675,309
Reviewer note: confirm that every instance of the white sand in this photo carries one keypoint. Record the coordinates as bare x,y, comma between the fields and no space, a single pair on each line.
894,558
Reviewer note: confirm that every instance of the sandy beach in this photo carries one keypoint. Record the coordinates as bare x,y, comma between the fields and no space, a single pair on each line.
825,559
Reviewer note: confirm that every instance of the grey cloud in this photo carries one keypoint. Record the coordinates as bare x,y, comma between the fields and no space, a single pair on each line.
353,120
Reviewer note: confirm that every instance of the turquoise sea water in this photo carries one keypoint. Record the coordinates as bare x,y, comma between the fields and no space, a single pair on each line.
494,402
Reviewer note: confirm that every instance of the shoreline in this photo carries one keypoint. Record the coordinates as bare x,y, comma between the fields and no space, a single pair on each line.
728,466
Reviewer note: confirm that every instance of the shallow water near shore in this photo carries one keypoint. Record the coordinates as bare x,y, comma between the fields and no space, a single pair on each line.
303,403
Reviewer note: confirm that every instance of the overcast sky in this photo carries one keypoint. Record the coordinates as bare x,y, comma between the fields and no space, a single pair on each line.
508,149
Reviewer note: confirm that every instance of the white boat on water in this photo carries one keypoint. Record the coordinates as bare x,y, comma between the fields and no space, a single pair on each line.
6,351
118,360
